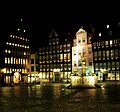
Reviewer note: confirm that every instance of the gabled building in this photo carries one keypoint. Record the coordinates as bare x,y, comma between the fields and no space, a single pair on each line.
55,59
106,52
15,53
82,48
33,74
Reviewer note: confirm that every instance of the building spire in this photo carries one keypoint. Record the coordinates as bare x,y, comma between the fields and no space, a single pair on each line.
81,27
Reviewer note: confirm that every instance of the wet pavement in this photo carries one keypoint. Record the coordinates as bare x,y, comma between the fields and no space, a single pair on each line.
56,97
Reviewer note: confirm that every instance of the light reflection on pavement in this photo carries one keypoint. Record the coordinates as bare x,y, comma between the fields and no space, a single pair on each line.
56,98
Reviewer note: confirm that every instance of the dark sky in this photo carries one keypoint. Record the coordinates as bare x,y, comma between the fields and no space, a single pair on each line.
64,16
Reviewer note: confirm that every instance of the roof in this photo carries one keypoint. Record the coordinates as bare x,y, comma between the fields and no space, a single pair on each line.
80,31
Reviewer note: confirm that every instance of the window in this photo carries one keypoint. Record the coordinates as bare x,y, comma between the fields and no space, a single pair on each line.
32,61
90,63
111,42
83,39
107,54
112,53
95,54
102,43
89,39
32,68
37,68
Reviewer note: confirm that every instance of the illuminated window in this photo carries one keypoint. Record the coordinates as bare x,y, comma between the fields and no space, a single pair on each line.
15,44
5,60
94,44
24,53
102,43
98,44
99,54
108,26
100,34
103,53
106,43
107,53
9,51
8,60
14,61
23,61
96,64
111,42
17,61
10,35
11,60
112,53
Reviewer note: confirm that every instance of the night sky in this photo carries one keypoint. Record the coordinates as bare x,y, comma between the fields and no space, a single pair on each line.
64,17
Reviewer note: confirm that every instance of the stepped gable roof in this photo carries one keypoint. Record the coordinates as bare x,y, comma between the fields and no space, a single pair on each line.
53,33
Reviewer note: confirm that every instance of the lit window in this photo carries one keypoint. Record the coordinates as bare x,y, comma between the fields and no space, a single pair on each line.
10,35
5,60
15,44
108,26
8,60
9,51
111,42
99,34
11,60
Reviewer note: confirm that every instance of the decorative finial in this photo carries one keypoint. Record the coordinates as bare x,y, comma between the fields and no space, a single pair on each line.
82,27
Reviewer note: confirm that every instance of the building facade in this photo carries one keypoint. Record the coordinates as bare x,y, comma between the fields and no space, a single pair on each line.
55,60
106,53
15,54
33,74
82,48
